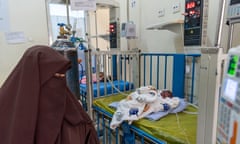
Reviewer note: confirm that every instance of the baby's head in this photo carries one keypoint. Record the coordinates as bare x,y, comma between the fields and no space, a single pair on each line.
101,74
166,93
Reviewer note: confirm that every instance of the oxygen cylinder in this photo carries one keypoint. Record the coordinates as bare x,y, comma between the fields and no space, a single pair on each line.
67,48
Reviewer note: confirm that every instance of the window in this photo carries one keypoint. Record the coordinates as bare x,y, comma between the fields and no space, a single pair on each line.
58,14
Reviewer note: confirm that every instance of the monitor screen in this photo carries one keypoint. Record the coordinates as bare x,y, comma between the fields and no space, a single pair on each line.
233,2
230,90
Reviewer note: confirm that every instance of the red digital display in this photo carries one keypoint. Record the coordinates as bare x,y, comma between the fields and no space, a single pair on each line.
190,5
111,26
192,12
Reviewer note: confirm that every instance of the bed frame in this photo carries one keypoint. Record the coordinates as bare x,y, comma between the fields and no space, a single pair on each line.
115,64
176,72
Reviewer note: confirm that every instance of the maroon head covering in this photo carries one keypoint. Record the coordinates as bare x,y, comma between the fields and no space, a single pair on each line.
36,107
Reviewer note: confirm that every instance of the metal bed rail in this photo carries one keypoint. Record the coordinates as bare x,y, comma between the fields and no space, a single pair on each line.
109,136
116,65
164,70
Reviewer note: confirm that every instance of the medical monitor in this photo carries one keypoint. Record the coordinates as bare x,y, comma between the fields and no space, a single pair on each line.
233,9
233,2
228,124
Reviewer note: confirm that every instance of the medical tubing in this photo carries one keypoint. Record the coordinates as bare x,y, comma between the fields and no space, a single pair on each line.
193,113
183,130
115,87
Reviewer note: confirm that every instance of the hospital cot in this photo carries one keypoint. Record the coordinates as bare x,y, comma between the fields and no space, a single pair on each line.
164,71
112,77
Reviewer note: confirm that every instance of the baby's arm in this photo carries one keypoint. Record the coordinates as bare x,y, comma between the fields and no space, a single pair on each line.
147,110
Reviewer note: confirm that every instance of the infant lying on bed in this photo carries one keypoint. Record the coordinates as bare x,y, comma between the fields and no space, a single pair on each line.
94,78
142,102
100,78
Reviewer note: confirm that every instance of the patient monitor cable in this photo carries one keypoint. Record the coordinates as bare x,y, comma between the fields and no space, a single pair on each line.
193,105
111,82
183,130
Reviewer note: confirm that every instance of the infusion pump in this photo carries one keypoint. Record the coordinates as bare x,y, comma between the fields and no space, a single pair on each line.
228,126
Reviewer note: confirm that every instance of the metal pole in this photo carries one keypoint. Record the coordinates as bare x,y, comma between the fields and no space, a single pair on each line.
128,15
231,29
87,25
96,29
89,96
128,18
139,60
105,67
67,6
221,24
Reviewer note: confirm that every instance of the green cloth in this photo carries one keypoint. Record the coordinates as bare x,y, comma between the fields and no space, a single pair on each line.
177,128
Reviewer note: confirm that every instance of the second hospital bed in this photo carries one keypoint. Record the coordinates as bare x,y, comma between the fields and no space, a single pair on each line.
164,71
110,80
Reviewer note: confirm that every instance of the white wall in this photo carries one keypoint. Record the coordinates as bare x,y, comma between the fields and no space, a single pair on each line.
26,16
123,18
145,13
103,19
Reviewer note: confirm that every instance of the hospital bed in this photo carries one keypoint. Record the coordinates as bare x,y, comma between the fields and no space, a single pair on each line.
106,62
99,89
175,72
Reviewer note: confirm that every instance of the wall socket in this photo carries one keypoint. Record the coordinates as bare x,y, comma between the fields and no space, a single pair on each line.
161,12
176,7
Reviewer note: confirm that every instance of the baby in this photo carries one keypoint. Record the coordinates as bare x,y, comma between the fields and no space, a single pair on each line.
164,102
142,102
94,78
166,93
131,107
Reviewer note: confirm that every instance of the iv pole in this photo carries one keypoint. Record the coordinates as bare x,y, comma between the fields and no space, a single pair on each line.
128,18
68,26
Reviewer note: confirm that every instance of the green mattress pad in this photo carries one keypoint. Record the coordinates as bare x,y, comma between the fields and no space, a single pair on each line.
177,128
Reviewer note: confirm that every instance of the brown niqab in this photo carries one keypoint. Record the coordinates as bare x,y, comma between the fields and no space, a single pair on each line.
36,107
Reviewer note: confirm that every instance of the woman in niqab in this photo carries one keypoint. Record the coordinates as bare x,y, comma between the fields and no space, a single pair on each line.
36,106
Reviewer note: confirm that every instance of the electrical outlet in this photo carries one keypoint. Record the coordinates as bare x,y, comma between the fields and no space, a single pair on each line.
161,12
176,7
